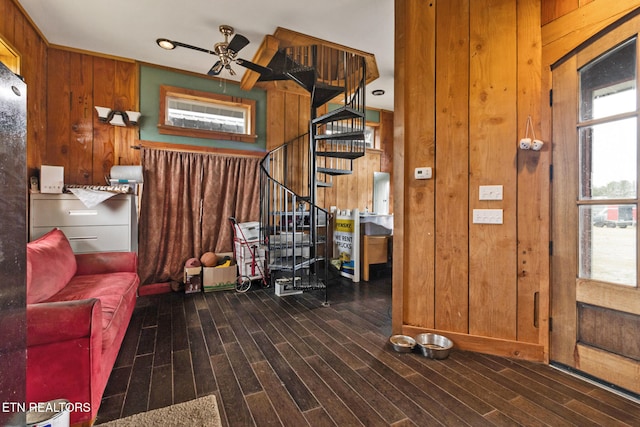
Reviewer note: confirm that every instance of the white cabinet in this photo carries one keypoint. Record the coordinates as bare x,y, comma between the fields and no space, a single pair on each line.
111,226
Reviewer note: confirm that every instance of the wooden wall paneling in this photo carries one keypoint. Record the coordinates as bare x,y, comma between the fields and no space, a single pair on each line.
292,130
353,192
323,193
126,91
361,168
374,166
533,184
303,128
386,145
58,109
80,159
492,137
34,70
452,167
18,30
275,119
414,146
9,17
341,185
104,71
553,9
399,290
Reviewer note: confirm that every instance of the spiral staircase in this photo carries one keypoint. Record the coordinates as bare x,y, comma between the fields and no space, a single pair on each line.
295,230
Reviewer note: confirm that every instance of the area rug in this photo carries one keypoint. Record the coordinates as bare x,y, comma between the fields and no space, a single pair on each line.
199,412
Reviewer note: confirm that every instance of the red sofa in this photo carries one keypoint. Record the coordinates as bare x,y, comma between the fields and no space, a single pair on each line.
78,310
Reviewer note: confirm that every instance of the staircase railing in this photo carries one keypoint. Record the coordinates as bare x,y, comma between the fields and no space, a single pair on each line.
295,230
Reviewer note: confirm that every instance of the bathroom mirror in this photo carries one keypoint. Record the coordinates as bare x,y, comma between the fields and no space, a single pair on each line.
381,187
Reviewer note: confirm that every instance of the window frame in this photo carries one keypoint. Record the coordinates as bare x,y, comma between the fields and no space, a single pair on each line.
198,95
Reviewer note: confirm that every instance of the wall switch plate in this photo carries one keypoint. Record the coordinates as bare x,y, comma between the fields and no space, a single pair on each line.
491,192
423,173
487,216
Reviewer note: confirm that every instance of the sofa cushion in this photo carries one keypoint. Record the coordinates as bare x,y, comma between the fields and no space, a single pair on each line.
115,292
51,263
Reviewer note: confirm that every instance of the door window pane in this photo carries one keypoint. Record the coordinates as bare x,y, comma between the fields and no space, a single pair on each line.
608,84
608,243
608,160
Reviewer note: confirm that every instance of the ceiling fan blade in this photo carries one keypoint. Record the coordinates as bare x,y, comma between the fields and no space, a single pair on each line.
253,67
237,42
188,46
216,69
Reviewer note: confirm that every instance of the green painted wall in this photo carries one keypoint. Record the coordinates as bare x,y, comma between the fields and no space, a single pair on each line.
150,80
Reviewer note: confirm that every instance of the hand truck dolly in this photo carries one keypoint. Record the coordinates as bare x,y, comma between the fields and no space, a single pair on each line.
251,263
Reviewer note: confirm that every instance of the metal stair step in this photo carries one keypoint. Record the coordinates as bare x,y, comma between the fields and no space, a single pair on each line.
343,136
322,94
324,184
334,172
305,77
341,113
288,264
341,154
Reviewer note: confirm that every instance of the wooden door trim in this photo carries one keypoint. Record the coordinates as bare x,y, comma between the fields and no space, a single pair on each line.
481,344
598,362
608,295
563,226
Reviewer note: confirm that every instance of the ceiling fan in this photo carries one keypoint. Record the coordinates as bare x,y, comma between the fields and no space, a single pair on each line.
226,51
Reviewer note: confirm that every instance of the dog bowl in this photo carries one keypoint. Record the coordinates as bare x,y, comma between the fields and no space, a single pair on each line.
434,346
402,343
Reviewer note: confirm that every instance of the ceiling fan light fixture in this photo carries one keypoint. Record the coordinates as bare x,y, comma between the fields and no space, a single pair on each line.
166,44
226,51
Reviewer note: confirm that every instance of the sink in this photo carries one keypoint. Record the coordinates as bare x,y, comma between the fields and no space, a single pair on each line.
376,225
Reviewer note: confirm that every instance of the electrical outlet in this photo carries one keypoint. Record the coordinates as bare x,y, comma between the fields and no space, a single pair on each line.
491,192
487,216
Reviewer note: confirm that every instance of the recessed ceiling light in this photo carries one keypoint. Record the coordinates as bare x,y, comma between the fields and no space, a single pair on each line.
166,44
377,92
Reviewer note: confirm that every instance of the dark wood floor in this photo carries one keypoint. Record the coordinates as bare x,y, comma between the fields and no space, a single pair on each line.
290,361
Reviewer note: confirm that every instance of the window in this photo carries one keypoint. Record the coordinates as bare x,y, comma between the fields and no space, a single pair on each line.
9,56
608,139
198,114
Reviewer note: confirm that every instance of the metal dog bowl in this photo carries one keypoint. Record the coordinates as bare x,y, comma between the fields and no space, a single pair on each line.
402,343
434,346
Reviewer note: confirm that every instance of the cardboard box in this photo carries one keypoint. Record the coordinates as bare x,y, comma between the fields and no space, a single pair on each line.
192,280
220,278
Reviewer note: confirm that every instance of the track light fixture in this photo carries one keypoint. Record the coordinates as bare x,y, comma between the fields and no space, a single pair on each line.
118,118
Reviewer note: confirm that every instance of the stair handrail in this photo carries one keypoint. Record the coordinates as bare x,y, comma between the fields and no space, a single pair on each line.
266,171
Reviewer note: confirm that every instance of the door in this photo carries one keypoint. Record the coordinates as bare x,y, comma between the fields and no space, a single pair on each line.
595,306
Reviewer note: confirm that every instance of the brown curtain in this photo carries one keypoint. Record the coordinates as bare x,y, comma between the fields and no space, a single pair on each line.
185,208
231,187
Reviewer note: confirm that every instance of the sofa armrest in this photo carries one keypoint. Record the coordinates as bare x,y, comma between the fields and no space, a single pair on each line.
64,352
65,320
106,262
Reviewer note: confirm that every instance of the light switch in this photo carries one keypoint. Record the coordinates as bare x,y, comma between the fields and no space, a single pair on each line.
490,192
487,216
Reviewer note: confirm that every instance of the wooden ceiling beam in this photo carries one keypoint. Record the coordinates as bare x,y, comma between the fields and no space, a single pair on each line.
265,52
284,37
